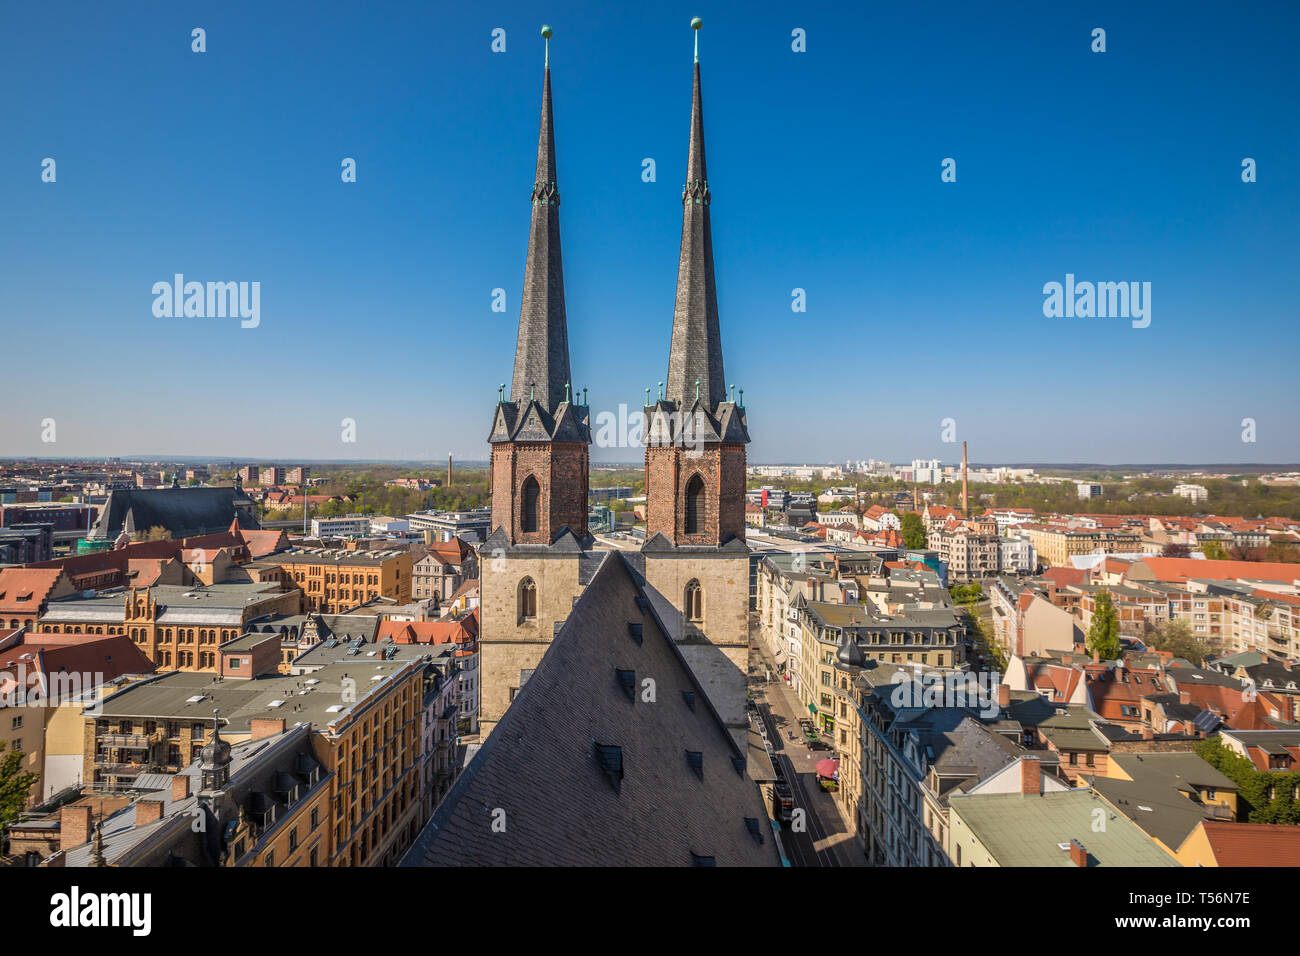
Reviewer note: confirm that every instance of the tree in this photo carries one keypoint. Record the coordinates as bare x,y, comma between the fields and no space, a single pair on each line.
1175,550
1103,634
1214,550
1177,637
156,533
912,529
1263,796
15,785
1280,551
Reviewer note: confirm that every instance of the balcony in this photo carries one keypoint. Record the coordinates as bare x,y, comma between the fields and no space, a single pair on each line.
119,769
131,741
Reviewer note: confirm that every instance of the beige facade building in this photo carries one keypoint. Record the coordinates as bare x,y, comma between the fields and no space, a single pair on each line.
1055,545
336,581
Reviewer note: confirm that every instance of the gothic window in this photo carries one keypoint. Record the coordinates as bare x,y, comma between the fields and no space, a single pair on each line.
695,505
694,601
531,498
527,600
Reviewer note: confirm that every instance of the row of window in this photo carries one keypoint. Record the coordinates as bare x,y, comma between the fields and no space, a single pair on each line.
692,603
530,496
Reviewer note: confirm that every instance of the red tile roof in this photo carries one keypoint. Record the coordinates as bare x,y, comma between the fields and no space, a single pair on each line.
1228,702
1064,577
103,657
1060,679
454,551
432,632
1183,569
1275,596
1253,844
942,511
36,583
1112,690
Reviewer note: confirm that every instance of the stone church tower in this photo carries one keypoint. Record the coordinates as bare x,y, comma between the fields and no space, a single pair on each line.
694,565
531,562
695,555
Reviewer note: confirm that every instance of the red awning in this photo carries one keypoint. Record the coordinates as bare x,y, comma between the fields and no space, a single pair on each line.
828,768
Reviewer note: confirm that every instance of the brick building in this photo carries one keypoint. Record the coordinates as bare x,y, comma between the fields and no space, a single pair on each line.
336,581
175,626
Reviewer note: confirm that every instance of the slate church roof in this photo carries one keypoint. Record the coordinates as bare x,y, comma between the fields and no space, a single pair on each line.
582,771
185,512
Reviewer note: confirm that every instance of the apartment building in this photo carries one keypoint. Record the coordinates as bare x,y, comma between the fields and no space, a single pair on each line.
1136,609
779,579
46,682
934,638
1255,619
261,802
936,516
1027,622
440,707
900,763
969,554
440,571
1010,517
461,634
1016,555
365,718
1056,545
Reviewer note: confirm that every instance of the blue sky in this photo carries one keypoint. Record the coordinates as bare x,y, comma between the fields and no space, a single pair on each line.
924,298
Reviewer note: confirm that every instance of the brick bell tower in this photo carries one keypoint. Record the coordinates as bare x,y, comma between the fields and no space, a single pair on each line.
539,463
695,552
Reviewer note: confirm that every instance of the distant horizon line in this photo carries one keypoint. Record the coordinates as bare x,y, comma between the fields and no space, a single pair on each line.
636,463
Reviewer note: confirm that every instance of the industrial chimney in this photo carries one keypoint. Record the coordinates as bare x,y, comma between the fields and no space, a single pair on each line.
965,500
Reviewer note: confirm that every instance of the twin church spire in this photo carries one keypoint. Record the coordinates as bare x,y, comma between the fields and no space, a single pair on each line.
542,353
543,406
696,352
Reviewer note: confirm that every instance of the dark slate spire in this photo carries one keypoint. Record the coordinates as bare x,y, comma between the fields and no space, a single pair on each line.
697,345
542,353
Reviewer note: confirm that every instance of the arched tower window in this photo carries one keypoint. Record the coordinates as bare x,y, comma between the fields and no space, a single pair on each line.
695,504
532,495
527,600
694,607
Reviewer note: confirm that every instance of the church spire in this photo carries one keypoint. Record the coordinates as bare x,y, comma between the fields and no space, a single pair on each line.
542,352
696,353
